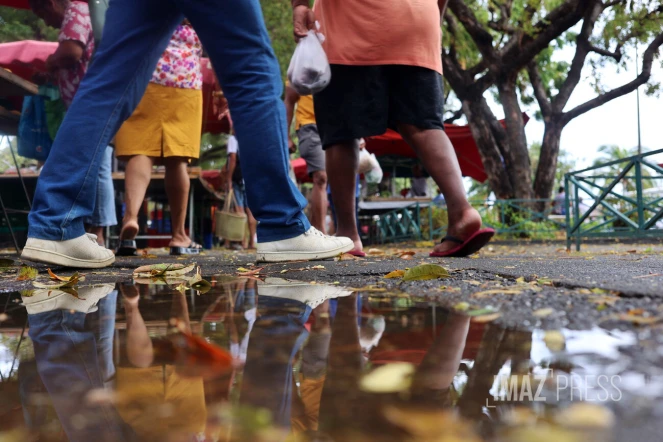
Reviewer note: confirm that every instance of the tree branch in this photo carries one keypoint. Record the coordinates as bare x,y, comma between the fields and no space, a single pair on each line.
479,34
547,29
582,50
539,89
617,55
645,74
454,116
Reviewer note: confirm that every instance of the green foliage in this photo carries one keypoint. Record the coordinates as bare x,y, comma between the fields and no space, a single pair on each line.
278,18
19,24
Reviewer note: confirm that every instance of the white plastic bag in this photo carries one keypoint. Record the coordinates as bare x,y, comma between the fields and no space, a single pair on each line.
309,70
374,175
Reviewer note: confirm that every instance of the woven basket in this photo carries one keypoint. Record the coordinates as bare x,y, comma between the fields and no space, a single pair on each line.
229,224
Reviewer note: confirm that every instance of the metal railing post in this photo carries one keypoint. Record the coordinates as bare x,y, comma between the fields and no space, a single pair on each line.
638,192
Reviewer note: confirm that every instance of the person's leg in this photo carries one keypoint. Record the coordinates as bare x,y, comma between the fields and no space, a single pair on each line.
353,106
137,176
416,100
104,209
438,157
342,164
177,188
310,148
319,201
135,36
253,224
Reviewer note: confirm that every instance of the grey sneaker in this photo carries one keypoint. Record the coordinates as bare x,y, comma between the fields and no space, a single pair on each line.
306,247
46,300
82,252
310,294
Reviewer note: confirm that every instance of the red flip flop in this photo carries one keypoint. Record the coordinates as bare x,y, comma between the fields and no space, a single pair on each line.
465,248
357,253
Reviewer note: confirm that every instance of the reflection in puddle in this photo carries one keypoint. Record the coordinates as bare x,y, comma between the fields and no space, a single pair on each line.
281,360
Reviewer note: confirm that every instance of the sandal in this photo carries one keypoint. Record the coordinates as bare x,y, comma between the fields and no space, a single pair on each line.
465,248
127,248
193,249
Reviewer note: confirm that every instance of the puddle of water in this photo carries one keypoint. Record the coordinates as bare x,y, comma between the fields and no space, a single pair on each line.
282,360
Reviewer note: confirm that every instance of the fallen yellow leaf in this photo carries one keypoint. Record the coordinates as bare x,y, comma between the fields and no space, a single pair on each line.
485,293
389,378
425,272
395,274
543,312
554,340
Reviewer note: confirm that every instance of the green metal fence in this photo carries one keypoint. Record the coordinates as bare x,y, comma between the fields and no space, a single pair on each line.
622,198
516,218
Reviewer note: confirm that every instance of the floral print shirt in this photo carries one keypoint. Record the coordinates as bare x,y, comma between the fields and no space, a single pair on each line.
76,26
179,66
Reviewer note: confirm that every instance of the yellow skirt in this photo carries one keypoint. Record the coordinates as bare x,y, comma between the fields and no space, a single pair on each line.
166,123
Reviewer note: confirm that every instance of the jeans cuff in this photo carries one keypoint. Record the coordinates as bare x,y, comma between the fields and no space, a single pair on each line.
55,234
267,234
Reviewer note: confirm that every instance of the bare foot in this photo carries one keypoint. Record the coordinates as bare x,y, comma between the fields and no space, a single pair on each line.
359,247
180,240
129,230
468,223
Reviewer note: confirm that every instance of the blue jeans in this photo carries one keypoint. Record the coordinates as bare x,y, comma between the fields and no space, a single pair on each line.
240,194
135,35
277,335
104,208
74,356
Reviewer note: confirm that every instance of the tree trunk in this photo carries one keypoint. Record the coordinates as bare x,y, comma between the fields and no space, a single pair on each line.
545,171
488,146
517,155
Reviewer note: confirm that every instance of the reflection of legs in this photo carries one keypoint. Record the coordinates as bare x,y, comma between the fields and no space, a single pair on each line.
137,178
66,353
277,336
339,403
139,345
342,166
440,365
437,154
177,189
106,330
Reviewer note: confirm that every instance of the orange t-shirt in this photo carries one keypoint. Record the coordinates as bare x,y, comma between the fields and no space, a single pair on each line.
379,32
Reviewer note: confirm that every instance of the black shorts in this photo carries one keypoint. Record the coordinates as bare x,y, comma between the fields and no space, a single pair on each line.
364,101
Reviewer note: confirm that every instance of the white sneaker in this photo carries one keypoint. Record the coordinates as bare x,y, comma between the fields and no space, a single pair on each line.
310,294
82,252
308,246
46,300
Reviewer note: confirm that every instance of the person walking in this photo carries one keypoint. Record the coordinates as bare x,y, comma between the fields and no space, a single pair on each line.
135,35
384,75
69,63
164,128
237,184
310,148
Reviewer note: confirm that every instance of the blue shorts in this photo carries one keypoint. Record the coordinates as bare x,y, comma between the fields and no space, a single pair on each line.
240,194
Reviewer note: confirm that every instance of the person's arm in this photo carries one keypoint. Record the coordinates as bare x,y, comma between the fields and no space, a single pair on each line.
67,55
232,163
291,98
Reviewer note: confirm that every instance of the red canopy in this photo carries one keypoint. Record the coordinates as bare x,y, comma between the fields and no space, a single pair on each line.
25,58
466,149
20,4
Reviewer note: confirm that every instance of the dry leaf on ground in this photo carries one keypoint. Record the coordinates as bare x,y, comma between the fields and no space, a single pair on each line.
375,252
486,293
253,272
554,340
425,272
163,270
543,312
71,282
395,274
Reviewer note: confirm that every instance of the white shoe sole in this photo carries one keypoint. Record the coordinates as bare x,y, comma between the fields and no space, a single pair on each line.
51,257
302,256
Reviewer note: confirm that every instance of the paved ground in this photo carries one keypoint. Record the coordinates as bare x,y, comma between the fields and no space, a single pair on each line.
582,289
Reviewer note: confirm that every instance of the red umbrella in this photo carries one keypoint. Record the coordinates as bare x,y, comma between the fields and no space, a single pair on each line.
25,58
